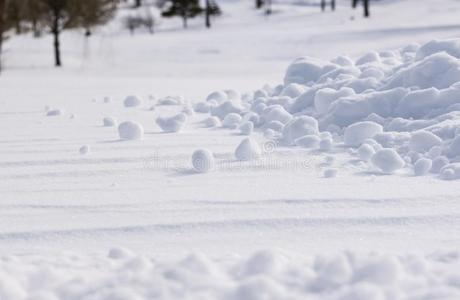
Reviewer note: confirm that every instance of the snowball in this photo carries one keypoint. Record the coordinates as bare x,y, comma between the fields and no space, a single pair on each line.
224,109
109,122
422,141
130,131
306,69
212,122
298,127
330,173
84,149
172,124
451,171
232,120
357,133
55,112
246,128
132,101
248,149
365,152
422,166
325,144
202,107
218,96
387,160
438,164
308,141
202,160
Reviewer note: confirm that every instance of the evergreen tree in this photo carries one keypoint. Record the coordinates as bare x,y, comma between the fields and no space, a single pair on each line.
211,9
183,8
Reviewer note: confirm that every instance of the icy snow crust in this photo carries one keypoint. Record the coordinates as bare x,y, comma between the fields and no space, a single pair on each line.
122,274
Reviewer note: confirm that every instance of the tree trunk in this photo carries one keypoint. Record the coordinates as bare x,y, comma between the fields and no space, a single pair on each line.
259,3
208,14
323,5
333,4
2,13
268,11
366,8
354,3
56,30
138,3
184,12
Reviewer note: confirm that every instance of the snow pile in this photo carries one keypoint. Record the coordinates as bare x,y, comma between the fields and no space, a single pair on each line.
123,274
130,131
397,109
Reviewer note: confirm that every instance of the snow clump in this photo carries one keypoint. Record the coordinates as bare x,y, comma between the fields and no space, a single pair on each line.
357,133
248,149
387,160
202,160
109,122
172,124
132,101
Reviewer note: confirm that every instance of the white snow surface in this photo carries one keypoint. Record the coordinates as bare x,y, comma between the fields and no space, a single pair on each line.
381,236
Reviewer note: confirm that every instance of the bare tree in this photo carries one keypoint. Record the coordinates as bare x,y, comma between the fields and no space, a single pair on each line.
354,3
366,8
259,3
90,13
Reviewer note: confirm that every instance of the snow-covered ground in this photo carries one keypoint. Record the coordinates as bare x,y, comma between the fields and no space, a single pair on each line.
69,183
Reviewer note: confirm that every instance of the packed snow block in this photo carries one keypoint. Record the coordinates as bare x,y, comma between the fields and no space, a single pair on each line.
392,139
109,122
308,141
276,113
339,74
422,166
132,101
439,70
325,97
407,125
450,46
232,121
348,110
450,172
248,149
360,85
417,104
202,160
422,141
370,57
218,96
387,160
130,131
172,124
224,109
298,127
306,69
293,90
357,133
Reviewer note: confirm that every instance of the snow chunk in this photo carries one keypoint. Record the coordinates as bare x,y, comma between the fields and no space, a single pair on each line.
325,144
357,133
84,149
370,57
224,109
247,128
387,160
451,171
438,164
212,122
232,120
277,113
330,173
365,152
202,160
308,141
452,47
325,97
55,112
422,141
109,122
454,148
248,149
298,127
172,124
132,101
130,131
218,96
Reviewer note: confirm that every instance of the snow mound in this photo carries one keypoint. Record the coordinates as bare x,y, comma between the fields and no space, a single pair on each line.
422,166
130,131
422,141
298,127
123,274
202,160
132,101
172,124
248,149
109,122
